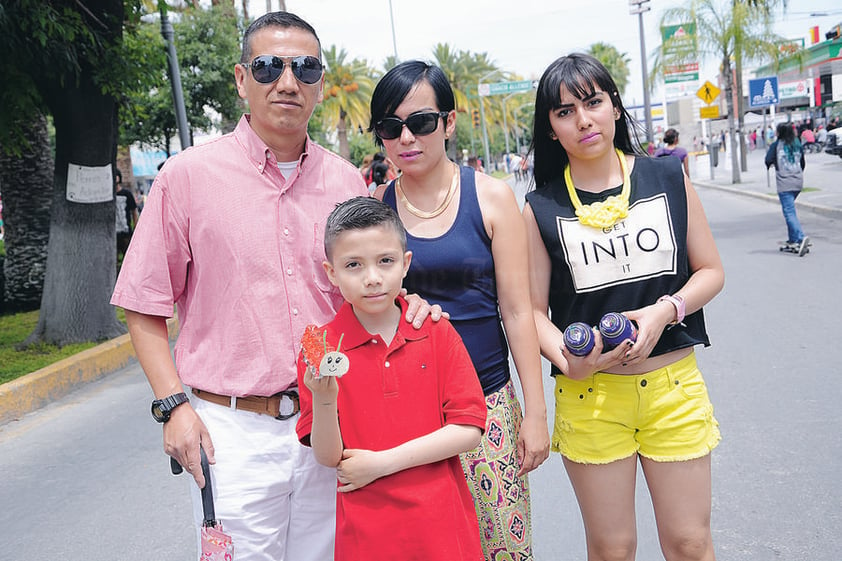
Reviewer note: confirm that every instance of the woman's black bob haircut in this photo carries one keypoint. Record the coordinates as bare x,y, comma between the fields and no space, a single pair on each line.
581,75
396,84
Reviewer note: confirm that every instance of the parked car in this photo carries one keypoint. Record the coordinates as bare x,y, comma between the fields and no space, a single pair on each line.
834,142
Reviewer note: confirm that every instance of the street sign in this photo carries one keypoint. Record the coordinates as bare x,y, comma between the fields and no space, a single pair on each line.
763,91
681,72
506,87
709,112
708,92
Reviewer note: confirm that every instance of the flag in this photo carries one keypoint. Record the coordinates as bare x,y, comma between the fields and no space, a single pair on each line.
814,35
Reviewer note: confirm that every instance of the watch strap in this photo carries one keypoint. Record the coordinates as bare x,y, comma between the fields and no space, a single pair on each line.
169,403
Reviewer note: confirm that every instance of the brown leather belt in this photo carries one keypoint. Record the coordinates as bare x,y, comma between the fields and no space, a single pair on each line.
287,399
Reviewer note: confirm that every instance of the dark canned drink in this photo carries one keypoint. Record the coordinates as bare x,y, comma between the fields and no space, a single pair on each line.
616,328
578,338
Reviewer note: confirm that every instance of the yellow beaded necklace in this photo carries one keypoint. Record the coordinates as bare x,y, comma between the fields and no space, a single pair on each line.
602,214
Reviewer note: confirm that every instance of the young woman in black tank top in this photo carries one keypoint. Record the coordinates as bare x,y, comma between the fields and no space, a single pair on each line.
611,230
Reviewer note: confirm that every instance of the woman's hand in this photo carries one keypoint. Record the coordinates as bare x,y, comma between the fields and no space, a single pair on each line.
580,367
651,322
533,443
418,310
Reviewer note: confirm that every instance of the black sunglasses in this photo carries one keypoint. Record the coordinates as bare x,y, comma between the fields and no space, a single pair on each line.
267,68
419,124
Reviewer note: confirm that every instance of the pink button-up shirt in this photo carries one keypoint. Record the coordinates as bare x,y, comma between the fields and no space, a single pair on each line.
240,251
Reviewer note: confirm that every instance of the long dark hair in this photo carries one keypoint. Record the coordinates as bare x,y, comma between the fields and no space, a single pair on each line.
581,75
396,84
792,145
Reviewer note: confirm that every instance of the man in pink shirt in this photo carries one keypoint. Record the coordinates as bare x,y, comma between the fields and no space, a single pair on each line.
232,233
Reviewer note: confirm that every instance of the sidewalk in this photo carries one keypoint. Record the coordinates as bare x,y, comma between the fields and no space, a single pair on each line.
822,180
42,387
823,195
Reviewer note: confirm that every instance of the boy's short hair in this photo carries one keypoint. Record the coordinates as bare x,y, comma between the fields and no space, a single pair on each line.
360,213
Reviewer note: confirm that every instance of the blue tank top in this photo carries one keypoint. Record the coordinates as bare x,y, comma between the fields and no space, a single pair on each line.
456,271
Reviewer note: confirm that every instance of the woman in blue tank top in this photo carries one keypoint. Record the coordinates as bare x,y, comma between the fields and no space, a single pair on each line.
469,256
612,230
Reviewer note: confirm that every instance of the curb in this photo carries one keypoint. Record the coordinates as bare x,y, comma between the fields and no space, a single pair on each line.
811,207
42,387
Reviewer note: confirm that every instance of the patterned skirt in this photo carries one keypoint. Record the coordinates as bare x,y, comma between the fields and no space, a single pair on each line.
501,498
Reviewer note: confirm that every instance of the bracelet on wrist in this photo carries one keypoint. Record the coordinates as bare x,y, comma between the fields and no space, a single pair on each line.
678,303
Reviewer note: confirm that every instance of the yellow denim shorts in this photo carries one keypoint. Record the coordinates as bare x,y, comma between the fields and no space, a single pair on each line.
665,415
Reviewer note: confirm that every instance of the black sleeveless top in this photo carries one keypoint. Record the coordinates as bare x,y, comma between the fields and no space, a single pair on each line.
456,271
628,265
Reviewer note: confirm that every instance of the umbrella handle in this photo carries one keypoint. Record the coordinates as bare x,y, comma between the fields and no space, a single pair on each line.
207,492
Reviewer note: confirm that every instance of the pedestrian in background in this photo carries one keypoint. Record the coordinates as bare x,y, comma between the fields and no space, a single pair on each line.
644,401
125,215
232,234
671,148
787,155
469,253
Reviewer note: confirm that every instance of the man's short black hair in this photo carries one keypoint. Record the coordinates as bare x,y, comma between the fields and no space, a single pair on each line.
275,19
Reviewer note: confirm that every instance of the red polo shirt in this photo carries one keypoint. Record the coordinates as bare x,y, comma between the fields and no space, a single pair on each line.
422,381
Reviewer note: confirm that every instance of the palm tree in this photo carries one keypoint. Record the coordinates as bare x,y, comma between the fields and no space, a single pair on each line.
738,32
463,69
347,91
616,62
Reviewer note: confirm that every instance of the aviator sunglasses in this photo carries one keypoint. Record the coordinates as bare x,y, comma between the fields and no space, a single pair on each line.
419,124
268,68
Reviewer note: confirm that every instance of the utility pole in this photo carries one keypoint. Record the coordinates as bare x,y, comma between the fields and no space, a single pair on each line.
639,7
175,78
394,41
482,91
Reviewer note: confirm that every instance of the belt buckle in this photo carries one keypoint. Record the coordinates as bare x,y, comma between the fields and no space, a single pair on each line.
293,398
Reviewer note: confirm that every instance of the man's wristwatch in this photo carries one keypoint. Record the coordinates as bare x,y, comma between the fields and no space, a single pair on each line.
162,408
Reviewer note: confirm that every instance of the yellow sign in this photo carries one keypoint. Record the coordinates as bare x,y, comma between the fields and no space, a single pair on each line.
708,92
710,112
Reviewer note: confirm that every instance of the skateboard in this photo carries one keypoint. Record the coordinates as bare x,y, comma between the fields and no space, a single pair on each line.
800,249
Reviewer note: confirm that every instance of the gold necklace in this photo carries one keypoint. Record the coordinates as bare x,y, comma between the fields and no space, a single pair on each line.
602,214
442,207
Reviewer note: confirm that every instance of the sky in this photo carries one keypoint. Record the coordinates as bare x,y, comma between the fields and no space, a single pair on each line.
521,37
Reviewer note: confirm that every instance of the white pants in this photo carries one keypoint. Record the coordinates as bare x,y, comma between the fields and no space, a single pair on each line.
272,497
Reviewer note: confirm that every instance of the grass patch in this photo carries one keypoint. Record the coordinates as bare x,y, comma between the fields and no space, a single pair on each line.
14,329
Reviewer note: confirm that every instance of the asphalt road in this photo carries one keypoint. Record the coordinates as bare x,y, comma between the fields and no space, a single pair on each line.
86,478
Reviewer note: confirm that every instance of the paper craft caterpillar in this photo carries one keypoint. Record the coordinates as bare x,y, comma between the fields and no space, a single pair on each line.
317,351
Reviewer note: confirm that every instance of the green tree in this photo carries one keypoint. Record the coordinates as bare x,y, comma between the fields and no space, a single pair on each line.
730,32
463,70
616,62
208,47
63,58
347,92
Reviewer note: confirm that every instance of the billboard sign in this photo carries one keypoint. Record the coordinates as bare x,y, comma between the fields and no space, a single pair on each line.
679,41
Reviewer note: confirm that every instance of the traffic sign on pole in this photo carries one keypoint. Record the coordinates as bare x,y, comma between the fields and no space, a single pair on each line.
506,87
708,92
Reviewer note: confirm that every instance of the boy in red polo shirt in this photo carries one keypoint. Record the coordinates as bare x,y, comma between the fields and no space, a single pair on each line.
410,402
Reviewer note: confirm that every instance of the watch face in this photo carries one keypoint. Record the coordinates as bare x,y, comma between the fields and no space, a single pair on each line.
159,415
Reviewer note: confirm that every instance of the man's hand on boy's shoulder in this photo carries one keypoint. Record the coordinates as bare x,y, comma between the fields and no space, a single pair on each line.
419,309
